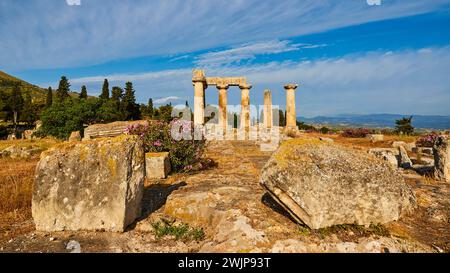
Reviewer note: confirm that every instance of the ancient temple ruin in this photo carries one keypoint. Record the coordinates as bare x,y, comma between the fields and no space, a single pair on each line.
201,83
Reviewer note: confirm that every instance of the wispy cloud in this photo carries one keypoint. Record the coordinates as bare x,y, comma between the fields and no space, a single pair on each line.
50,34
245,52
398,82
166,100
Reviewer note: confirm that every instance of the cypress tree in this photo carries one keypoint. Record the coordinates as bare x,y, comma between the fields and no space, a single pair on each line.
63,89
116,94
105,90
129,102
49,98
83,93
150,107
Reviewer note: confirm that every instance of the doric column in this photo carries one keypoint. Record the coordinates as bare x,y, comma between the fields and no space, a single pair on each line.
267,111
199,82
223,118
291,119
245,105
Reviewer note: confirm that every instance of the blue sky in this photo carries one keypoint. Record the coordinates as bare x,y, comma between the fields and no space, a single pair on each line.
347,56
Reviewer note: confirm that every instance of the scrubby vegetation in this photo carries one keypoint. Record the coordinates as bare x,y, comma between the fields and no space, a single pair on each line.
177,138
179,231
427,140
359,132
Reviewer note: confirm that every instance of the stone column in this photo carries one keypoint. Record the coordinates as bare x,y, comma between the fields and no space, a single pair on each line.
267,111
223,117
291,119
199,82
245,105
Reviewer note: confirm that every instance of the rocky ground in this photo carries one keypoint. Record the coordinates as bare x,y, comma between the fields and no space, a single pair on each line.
236,215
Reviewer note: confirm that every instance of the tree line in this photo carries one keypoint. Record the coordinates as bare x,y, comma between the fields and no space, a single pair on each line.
63,112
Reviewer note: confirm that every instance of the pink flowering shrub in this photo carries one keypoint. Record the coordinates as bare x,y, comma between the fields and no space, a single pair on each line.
427,140
177,138
359,132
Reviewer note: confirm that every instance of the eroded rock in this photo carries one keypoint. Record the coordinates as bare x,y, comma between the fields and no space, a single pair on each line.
322,184
93,185
441,151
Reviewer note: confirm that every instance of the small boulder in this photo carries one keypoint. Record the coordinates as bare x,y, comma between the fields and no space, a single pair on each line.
92,185
323,184
157,165
375,137
403,160
326,139
441,152
75,136
388,154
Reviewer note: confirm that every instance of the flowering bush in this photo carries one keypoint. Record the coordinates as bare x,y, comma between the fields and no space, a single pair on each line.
176,138
360,132
427,140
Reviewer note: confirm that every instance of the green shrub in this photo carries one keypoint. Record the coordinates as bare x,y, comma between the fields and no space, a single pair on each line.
3,132
179,231
176,138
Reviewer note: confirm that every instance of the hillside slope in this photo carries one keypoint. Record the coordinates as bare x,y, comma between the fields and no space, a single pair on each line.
7,83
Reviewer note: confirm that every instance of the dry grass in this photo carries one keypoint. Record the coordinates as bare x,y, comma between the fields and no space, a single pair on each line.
365,142
16,188
16,184
44,144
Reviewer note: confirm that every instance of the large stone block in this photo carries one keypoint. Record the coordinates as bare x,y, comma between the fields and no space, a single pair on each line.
112,129
441,152
92,185
157,165
323,184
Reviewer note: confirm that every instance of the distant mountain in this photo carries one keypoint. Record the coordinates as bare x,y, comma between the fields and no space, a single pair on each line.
381,121
7,83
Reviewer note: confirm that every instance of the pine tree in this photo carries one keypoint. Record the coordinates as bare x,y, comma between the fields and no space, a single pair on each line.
49,98
29,111
83,93
404,126
129,103
63,89
105,90
116,94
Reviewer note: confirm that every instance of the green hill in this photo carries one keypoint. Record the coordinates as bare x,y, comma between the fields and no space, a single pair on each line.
7,83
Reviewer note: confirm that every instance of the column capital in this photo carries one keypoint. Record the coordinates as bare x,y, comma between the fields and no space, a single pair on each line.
222,86
245,86
290,86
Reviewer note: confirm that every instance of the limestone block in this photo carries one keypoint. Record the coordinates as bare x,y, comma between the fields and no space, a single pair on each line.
157,165
441,151
75,136
91,185
375,137
323,184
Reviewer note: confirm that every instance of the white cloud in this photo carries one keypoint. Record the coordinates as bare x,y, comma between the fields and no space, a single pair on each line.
166,100
245,52
50,34
400,82
73,2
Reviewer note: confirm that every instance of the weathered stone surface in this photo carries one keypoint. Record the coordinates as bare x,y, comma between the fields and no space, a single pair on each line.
75,136
157,165
441,151
322,184
403,160
28,134
375,137
387,154
92,185
109,130
326,139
